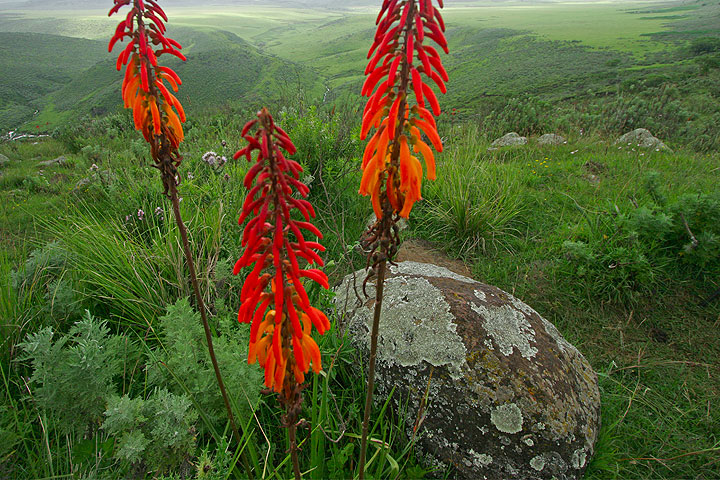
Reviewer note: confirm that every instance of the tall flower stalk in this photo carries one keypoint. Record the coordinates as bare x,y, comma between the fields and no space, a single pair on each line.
399,97
157,113
273,298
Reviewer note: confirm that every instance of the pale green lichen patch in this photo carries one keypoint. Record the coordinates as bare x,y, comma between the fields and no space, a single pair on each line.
416,326
507,418
481,295
480,459
538,463
578,458
509,328
427,270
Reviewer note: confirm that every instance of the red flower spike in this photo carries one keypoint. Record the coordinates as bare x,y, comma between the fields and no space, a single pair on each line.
396,106
143,88
282,346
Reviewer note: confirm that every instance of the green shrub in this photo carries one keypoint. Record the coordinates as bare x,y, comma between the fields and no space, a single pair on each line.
158,433
183,363
73,374
526,115
621,257
45,273
701,46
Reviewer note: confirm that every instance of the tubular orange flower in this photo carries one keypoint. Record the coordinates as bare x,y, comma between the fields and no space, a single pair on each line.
282,317
144,89
388,161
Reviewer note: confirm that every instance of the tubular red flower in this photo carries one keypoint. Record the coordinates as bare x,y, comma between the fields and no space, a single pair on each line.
279,339
143,86
396,106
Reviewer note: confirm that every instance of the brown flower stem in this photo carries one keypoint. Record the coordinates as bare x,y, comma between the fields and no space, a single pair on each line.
379,285
292,430
203,315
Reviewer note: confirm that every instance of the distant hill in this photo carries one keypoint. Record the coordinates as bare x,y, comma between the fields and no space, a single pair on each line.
34,65
71,77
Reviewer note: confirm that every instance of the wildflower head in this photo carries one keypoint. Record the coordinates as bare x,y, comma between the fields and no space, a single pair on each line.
209,158
400,63
273,297
147,86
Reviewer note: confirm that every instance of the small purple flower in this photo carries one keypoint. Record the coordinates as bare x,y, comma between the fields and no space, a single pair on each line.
141,214
127,218
94,168
190,176
210,158
226,177
159,212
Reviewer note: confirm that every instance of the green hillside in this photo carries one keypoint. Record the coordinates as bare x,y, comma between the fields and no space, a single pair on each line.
34,65
591,65
81,78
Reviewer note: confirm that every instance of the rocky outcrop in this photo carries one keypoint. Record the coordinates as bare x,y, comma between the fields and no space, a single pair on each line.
641,138
494,388
508,140
551,139
59,161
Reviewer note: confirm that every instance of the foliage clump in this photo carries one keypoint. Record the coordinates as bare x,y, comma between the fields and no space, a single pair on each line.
632,253
73,374
184,365
158,432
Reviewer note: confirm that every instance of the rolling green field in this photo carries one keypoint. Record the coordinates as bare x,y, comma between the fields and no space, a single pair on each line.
554,50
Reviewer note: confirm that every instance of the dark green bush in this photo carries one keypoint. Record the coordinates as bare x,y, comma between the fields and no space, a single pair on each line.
621,257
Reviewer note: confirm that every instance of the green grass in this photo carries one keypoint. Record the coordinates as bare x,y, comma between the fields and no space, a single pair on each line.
656,356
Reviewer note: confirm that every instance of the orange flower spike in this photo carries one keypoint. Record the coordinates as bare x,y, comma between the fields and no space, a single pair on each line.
142,83
389,168
279,340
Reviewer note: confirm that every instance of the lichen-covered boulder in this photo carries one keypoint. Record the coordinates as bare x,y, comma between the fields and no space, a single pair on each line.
642,138
508,140
507,395
551,139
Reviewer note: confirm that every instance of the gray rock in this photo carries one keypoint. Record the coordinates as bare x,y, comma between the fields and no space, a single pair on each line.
507,395
641,138
507,140
59,161
3,160
102,176
551,139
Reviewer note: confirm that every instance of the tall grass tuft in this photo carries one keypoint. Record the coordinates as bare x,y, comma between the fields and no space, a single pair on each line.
131,270
474,206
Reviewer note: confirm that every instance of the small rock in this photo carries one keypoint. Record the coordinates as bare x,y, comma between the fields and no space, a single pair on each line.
101,176
551,139
642,138
59,161
3,160
507,140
